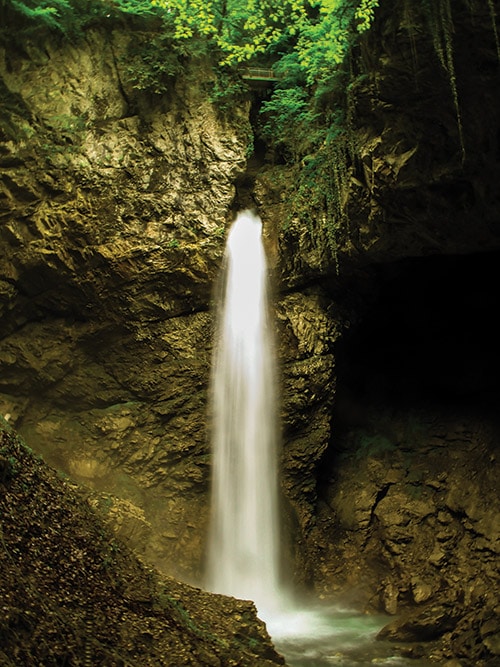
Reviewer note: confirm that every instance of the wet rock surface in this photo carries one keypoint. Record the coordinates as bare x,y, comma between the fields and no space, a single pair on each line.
408,523
409,457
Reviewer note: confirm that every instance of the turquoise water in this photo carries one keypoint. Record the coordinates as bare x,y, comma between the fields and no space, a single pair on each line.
325,637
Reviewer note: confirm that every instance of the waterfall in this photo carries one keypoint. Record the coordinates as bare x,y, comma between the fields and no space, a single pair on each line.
244,539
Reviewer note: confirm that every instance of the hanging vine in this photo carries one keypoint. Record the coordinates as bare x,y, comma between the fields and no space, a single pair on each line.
440,20
494,24
409,19
321,195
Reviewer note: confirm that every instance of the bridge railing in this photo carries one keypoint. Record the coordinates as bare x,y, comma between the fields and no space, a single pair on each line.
259,74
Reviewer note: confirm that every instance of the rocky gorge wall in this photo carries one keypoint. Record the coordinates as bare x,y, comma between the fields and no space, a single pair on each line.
405,503
114,204
114,209
112,232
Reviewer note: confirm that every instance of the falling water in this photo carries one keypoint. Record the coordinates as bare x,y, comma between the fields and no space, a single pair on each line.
244,538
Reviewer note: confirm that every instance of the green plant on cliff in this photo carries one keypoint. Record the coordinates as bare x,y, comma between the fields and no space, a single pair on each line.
67,18
440,21
306,42
43,13
227,90
26,18
152,63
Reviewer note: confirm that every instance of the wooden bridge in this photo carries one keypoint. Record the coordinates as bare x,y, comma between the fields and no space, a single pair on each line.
259,74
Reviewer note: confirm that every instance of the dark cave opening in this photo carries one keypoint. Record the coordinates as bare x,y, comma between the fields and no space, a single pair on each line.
429,334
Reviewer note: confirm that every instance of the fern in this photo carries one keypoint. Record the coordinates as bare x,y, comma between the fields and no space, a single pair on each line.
45,13
67,18
28,18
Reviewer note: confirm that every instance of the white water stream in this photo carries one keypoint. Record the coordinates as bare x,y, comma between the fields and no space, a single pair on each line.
244,546
245,532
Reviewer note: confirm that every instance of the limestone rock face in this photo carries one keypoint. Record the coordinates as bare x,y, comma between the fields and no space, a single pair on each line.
113,206
307,331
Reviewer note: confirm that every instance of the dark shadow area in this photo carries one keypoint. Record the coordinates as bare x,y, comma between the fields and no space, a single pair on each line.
430,334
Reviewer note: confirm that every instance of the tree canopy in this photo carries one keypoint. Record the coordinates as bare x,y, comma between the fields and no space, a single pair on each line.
317,31
305,39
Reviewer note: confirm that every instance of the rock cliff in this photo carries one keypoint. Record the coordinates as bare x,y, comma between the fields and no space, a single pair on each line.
114,204
388,497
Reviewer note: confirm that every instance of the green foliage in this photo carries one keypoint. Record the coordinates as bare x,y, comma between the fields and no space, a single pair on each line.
319,31
227,89
152,64
288,117
45,13
305,41
322,187
135,7
239,29
68,125
365,13
67,18
324,41
171,604
312,74
29,18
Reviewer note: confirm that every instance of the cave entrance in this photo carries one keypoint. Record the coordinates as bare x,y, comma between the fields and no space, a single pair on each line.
428,334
